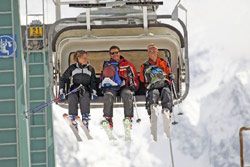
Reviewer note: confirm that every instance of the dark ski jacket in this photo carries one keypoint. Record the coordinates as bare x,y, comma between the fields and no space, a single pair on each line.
79,74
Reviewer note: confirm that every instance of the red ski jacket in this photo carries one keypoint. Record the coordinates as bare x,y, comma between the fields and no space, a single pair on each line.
123,72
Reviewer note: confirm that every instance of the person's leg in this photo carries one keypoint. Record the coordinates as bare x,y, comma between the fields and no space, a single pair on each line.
85,103
127,98
166,99
73,104
85,107
73,107
152,98
108,100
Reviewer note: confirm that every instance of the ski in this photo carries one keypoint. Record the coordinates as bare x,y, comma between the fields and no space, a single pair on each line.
107,129
127,124
153,121
165,117
72,127
84,128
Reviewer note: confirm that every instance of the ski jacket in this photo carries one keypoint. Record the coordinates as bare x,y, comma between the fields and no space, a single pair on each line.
161,63
128,73
79,74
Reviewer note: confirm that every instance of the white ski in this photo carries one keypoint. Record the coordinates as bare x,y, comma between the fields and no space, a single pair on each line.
84,128
72,127
107,129
165,117
127,123
153,121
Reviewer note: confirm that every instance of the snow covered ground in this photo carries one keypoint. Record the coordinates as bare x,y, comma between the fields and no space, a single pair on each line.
141,151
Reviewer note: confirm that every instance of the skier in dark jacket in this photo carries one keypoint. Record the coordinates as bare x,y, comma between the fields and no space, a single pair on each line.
80,73
156,76
128,85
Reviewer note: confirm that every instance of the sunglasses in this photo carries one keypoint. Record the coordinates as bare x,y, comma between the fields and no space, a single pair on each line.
112,53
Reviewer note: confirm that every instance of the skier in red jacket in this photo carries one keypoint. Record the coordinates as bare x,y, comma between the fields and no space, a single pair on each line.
129,84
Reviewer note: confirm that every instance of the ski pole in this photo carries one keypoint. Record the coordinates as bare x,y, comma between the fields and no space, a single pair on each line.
172,87
57,99
131,82
138,119
42,106
174,122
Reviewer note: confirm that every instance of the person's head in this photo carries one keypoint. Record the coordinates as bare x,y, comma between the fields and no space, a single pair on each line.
81,57
153,51
114,52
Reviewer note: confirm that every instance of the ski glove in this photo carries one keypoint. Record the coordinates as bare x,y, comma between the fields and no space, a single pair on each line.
132,88
171,76
94,95
61,94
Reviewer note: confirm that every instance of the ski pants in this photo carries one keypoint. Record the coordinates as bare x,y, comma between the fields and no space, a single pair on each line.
127,98
84,101
153,95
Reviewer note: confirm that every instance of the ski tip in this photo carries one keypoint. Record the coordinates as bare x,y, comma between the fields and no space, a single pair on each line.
153,139
65,115
167,136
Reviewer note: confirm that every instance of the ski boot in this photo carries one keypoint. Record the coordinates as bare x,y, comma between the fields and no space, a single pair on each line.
85,120
126,119
72,117
109,119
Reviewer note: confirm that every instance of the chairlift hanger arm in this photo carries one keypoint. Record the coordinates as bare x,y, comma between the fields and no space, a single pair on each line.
114,4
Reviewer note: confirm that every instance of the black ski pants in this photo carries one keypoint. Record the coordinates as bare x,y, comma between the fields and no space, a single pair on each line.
82,99
153,96
108,101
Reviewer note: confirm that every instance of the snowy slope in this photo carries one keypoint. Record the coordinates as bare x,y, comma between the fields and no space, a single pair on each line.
102,152
222,114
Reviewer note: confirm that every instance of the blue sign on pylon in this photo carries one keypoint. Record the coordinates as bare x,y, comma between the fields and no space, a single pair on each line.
8,46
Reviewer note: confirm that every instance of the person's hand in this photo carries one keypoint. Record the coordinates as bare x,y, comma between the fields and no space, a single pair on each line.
61,94
171,76
132,88
94,95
